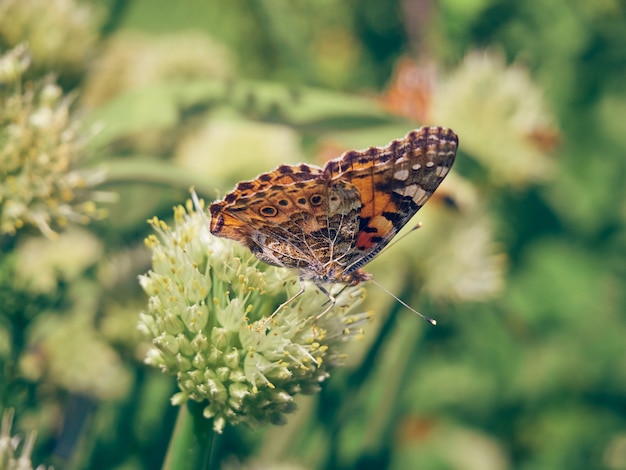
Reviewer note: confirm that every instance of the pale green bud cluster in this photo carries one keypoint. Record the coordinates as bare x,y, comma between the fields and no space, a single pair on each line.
40,145
207,316
61,34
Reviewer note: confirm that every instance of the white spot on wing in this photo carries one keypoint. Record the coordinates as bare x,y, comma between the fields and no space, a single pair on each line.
417,166
401,175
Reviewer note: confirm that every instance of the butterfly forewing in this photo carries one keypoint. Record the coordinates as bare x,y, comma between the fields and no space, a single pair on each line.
394,183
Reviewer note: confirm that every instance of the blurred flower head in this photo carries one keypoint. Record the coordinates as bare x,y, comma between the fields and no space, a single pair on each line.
453,257
69,352
41,263
40,185
133,60
499,111
60,33
496,108
207,316
425,442
470,265
226,149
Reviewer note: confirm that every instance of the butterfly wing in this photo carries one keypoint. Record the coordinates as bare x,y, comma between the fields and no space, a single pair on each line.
394,182
328,223
228,216
291,217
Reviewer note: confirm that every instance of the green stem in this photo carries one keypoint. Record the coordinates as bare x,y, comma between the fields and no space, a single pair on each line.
193,441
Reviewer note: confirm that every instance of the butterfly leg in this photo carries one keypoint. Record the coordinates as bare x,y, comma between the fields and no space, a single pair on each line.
332,302
285,303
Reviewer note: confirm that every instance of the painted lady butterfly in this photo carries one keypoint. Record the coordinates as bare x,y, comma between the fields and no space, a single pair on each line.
329,222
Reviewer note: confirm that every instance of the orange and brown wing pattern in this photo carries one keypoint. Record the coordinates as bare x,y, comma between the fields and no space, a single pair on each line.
330,222
394,182
233,216
291,217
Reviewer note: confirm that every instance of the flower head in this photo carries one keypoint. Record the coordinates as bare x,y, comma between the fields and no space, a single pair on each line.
68,352
61,33
39,182
133,60
41,263
497,109
215,148
502,116
468,266
210,300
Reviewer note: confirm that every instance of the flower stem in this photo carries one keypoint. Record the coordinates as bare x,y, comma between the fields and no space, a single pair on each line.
192,442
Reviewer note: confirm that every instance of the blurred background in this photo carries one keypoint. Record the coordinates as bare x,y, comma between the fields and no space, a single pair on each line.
110,110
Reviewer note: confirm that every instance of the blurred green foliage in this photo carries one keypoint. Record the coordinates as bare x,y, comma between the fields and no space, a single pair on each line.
522,259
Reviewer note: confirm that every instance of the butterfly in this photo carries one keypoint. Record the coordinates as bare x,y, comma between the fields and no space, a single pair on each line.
330,222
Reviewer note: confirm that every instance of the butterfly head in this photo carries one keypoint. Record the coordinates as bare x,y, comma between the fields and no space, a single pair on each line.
356,277
335,273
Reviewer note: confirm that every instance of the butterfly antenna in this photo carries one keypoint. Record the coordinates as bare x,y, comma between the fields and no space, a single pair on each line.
432,321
